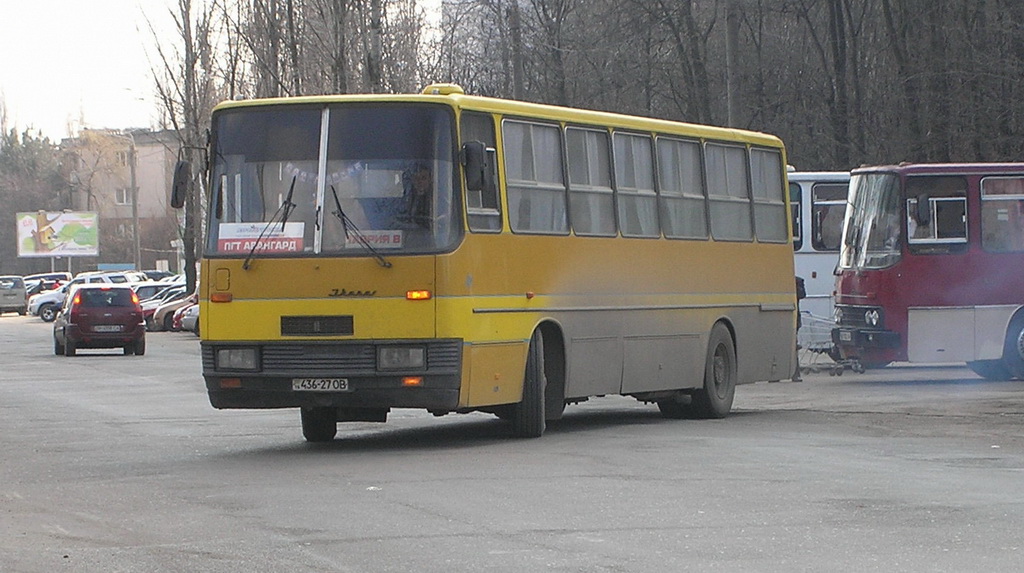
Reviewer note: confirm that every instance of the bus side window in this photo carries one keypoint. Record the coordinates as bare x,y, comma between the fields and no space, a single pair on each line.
828,208
936,210
797,221
482,204
535,182
1002,214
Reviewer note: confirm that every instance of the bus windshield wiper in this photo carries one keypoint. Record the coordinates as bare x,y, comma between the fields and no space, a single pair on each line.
284,210
288,205
347,224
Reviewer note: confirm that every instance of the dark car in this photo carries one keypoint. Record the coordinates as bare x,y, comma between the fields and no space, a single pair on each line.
100,316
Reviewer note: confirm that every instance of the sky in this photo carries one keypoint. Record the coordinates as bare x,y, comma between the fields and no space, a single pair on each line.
69,64
83,63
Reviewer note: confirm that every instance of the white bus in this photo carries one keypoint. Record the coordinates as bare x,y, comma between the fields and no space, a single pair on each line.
818,202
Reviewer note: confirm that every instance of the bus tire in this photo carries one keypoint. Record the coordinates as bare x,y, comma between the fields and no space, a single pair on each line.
990,369
528,418
714,400
319,424
675,408
1013,348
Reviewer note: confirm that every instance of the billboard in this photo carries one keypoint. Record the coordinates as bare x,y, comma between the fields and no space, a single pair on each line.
58,234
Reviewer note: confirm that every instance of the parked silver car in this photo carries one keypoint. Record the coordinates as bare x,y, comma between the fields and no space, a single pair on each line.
12,295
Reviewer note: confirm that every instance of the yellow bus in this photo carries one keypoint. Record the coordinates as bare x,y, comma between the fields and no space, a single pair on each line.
458,253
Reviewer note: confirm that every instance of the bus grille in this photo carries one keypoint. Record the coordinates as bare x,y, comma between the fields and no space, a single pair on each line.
316,326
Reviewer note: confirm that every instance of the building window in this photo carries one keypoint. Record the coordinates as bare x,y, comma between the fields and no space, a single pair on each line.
123,196
122,158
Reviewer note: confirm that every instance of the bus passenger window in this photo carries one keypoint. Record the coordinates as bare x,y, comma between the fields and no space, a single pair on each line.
768,195
936,210
828,206
796,221
591,203
1002,214
634,185
681,189
728,192
535,182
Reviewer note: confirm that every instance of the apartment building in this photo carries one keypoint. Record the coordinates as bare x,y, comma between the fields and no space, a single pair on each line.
125,176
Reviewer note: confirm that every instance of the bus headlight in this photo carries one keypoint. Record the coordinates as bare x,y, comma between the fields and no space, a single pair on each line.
871,317
837,315
401,357
237,359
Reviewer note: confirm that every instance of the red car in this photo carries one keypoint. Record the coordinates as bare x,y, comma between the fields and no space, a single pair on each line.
100,316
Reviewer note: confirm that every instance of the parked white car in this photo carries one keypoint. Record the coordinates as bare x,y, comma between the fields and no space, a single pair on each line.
46,304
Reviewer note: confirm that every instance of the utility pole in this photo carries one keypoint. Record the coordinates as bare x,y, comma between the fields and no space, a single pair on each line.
133,158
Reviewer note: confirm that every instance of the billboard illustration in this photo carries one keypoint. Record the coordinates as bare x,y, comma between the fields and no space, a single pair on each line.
58,234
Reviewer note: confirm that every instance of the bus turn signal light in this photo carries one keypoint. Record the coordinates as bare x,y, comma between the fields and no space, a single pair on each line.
412,381
417,295
220,297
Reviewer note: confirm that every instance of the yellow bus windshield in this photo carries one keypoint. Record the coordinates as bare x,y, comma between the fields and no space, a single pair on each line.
332,180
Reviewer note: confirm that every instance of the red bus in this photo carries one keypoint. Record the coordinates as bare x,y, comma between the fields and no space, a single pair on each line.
931,269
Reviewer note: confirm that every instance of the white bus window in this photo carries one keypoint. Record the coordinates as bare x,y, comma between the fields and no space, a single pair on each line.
681,187
591,203
634,184
536,188
728,192
768,194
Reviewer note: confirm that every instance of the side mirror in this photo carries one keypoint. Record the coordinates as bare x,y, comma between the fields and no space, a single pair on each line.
179,186
923,212
476,164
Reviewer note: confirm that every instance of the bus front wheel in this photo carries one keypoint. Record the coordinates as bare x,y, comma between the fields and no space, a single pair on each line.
714,400
319,424
528,419
990,369
1013,349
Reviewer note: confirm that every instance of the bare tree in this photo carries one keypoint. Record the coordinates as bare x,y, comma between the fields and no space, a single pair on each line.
188,89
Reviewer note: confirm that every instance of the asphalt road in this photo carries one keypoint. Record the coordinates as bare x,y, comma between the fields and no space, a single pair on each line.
118,463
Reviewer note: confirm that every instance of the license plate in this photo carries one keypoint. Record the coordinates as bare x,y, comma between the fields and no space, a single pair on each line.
845,336
107,328
320,384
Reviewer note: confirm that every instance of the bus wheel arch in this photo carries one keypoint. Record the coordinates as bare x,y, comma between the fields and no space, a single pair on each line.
554,369
714,399
543,383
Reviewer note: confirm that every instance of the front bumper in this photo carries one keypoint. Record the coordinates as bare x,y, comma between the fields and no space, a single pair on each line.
865,338
270,385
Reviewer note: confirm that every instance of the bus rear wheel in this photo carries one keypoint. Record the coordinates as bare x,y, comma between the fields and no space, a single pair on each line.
528,416
714,400
319,424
